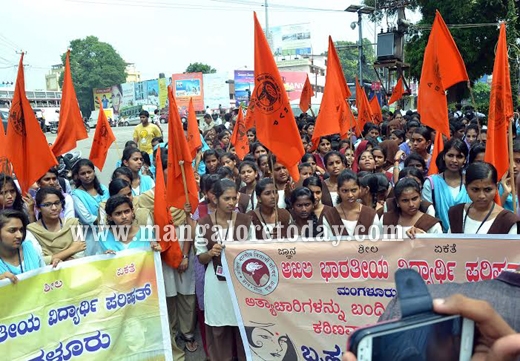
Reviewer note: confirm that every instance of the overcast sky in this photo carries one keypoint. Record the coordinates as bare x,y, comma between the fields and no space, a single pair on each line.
159,35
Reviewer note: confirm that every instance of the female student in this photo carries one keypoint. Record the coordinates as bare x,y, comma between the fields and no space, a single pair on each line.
324,146
213,231
406,215
124,233
11,198
16,255
482,215
335,164
446,189
309,158
303,216
211,160
270,222
230,160
366,161
374,189
356,218
133,160
247,199
421,143
119,186
257,149
55,235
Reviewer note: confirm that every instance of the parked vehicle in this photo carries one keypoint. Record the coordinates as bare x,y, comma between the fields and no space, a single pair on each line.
4,114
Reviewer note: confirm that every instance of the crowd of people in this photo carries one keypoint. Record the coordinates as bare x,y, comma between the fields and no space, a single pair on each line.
359,186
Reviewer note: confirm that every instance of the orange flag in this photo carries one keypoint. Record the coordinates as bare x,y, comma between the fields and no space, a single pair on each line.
438,147
335,115
170,249
365,114
398,91
71,127
500,109
377,114
194,142
239,136
26,146
103,139
181,178
307,94
270,108
442,68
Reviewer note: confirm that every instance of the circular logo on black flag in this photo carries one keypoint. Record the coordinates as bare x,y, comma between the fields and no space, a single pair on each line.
268,96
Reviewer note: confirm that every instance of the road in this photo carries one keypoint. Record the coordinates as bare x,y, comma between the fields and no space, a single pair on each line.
124,134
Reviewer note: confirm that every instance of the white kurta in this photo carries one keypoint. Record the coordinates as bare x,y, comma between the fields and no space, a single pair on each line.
174,282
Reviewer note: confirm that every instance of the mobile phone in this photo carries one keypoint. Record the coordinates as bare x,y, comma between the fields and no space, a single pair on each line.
417,338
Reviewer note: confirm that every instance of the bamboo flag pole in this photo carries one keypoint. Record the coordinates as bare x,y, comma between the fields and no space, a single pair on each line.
276,188
511,166
184,183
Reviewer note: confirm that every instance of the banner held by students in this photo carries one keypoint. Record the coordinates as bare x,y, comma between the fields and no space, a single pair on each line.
311,296
96,308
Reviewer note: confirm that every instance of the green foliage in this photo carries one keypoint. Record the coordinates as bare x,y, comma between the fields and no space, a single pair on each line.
200,68
481,93
348,53
94,64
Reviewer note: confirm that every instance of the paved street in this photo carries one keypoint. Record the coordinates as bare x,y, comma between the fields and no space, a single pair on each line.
124,134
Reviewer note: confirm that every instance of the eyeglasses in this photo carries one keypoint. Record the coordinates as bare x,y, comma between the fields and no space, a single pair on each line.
49,204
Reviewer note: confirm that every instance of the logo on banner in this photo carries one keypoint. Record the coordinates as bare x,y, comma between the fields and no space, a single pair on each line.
256,271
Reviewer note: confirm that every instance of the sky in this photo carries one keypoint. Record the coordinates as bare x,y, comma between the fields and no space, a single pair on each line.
159,36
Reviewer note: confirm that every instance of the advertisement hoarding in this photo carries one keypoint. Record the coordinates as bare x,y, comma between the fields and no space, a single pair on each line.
186,86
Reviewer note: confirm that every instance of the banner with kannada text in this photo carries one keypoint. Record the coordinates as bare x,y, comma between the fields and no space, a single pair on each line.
301,300
95,308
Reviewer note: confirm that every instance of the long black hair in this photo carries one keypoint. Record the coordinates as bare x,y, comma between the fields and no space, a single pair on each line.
75,174
306,192
18,201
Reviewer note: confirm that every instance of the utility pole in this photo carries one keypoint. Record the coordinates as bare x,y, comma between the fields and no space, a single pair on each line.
360,19
267,33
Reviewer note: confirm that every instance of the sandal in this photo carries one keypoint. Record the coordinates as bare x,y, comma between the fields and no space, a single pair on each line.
190,344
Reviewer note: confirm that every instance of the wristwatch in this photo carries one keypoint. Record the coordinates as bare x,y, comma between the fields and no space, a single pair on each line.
184,256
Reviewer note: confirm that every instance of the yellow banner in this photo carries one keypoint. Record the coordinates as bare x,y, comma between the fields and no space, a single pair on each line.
96,308
301,300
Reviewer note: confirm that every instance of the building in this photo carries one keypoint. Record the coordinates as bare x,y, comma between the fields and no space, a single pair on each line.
37,98
313,65
132,74
52,79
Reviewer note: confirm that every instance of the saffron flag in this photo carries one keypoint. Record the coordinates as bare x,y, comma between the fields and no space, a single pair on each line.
103,139
270,108
398,91
26,146
170,249
500,109
239,136
377,114
194,142
365,114
442,68
179,162
306,97
71,127
438,147
335,115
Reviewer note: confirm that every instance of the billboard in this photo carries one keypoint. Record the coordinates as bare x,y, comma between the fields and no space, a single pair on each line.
111,97
216,90
152,92
128,94
293,82
291,39
186,86
244,85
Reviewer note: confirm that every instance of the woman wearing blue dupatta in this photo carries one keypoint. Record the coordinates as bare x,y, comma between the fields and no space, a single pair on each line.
122,233
16,254
446,189
87,196
133,160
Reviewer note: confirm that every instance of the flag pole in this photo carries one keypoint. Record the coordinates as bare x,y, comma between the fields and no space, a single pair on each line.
511,167
184,183
275,187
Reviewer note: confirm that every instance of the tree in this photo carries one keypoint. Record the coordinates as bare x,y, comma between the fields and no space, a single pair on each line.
348,53
94,64
200,68
475,43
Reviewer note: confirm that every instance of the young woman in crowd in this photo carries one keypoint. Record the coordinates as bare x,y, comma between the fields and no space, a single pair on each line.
482,215
257,149
446,189
269,221
251,135
471,135
356,218
229,160
17,256
263,166
324,146
477,152
247,200
335,164
211,160
123,233
11,198
507,182
133,160
304,217
421,143
309,158
406,215
213,231
58,237
366,161
374,189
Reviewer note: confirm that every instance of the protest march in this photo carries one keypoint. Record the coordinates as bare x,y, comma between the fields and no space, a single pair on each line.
264,235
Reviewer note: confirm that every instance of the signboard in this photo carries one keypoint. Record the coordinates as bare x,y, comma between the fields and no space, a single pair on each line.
293,82
291,39
95,308
303,299
244,85
186,86
216,90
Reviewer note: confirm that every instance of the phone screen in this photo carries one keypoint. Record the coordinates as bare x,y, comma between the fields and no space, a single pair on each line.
440,340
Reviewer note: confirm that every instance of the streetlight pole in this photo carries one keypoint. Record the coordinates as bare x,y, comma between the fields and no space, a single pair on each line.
360,48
